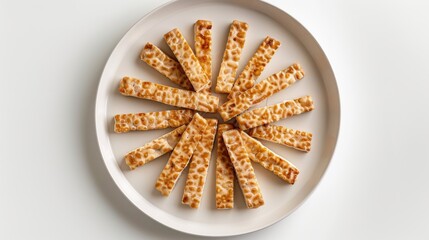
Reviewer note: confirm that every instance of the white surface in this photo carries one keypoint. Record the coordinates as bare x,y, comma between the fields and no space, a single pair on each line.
280,198
53,182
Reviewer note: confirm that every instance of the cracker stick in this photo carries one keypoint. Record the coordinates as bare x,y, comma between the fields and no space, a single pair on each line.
297,139
269,160
187,59
168,95
154,149
255,66
224,172
273,113
203,45
152,120
165,65
261,91
199,166
243,168
231,56
181,154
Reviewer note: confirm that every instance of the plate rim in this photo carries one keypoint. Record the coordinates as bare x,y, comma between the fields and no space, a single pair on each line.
98,127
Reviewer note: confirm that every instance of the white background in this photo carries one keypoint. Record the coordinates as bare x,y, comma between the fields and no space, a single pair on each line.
54,185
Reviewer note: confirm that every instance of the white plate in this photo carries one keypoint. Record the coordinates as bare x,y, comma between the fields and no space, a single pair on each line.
280,198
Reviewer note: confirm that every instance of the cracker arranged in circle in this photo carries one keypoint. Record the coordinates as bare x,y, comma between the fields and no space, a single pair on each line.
154,149
273,113
203,45
269,160
168,95
224,172
152,120
297,139
231,56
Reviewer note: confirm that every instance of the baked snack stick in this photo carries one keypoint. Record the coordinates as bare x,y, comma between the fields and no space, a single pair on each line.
297,139
243,168
152,120
255,66
165,65
154,149
224,172
181,155
203,45
269,160
273,113
187,59
261,91
231,56
168,95
199,166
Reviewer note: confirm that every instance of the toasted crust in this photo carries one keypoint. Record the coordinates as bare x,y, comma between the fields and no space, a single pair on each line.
255,66
224,172
154,149
168,95
231,56
273,113
297,139
181,155
199,166
152,120
187,59
203,45
261,91
243,168
165,65
269,160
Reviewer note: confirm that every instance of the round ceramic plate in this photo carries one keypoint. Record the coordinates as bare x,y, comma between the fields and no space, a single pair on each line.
280,198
